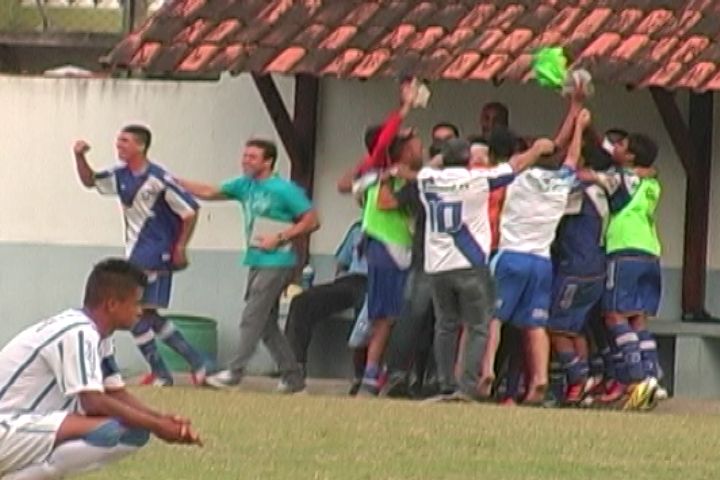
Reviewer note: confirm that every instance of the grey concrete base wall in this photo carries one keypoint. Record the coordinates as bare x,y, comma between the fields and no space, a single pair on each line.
37,281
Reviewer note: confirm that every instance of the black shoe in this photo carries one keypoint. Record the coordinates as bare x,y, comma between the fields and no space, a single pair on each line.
355,387
397,387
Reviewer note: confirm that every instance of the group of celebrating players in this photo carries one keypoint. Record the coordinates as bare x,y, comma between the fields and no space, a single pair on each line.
545,248
499,252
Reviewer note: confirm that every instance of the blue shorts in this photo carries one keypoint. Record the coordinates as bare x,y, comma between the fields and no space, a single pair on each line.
524,284
572,299
386,282
157,292
634,285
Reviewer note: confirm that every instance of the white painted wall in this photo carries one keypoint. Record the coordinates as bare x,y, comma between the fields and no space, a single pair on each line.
198,130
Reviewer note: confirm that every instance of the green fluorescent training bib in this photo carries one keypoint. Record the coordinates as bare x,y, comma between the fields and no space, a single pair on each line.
633,227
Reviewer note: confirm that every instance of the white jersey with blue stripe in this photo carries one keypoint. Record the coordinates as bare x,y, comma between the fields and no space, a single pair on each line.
47,365
457,230
534,204
154,206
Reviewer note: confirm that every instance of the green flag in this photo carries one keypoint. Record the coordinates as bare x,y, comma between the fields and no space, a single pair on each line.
550,67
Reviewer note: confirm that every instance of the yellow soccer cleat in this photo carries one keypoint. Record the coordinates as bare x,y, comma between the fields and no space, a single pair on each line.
643,396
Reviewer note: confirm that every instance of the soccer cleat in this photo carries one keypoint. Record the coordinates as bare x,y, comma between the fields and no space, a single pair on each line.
396,387
614,391
369,387
508,402
223,379
574,394
661,394
153,380
642,396
355,386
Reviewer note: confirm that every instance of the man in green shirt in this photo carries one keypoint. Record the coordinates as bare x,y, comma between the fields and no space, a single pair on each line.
275,211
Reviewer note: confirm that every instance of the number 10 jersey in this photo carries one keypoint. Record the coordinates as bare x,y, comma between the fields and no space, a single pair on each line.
457,231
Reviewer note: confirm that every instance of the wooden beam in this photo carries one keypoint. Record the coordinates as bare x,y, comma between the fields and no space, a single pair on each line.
280,118
675,126
697,207
693,145
307,89
298,135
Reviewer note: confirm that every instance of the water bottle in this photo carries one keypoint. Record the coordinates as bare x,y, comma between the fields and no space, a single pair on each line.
308,276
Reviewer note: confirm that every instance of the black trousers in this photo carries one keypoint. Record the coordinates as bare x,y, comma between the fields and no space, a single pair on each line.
318,303
412,334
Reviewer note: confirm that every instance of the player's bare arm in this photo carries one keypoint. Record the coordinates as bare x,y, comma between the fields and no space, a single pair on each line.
165,428
541,147
187,228
86,174
573,155
344,184
203,191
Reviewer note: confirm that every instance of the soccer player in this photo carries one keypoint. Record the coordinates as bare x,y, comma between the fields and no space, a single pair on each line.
159,219
410,342
321,301
276,211
534,204
63,406
578,256
457,242
634,281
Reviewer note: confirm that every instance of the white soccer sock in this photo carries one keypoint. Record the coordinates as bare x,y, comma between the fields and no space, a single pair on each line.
72,458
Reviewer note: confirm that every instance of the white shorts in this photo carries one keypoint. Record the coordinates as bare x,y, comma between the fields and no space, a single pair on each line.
27,439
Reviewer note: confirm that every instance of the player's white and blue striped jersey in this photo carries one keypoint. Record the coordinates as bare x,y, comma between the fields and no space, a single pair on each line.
534,204
457,230
153,207
47,365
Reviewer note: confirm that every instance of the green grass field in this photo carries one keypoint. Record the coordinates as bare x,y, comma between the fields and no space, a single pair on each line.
263,436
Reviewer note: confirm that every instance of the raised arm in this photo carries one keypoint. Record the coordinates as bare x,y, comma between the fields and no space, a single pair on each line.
85,173
565,133
573,155
378,154
541,147
203,191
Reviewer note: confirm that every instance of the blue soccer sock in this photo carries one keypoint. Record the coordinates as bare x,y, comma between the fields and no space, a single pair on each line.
166,331
628,343
574,367
608,359
597,365
145,341
372,371
648,351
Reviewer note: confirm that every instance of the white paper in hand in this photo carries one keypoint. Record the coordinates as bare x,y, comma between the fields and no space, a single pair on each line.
423,96
267,227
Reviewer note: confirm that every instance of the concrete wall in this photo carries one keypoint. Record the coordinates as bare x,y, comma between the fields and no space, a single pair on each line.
51,230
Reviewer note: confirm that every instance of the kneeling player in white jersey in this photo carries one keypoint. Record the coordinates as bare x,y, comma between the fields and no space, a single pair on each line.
63,406
534,205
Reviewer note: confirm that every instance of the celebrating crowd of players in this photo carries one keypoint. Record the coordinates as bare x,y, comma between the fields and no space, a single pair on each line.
469,271
532,245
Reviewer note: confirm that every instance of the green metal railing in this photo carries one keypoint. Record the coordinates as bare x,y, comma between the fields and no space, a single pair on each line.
74,16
